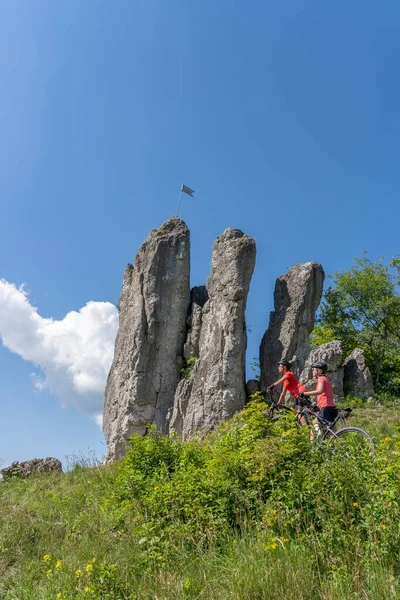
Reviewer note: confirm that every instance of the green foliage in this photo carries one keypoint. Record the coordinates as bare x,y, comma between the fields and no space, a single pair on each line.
362,309
252,511
93,580
323,334
187,370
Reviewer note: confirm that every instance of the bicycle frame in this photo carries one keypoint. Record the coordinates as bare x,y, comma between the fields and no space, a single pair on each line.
325,429
326,425
309,413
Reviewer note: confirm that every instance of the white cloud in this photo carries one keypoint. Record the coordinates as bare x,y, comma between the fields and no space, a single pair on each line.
75,354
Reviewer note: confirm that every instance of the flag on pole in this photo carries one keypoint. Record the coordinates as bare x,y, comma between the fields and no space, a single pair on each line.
187,190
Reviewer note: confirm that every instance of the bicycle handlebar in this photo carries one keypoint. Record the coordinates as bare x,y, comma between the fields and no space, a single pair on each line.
277,406
303,401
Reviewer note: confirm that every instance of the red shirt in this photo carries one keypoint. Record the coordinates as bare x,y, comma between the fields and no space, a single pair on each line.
326,398
292,385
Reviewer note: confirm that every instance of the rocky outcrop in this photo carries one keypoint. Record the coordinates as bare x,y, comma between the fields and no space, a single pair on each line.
214,389
332,354
148,354
198,298
29,467
296,299
252,387
357,379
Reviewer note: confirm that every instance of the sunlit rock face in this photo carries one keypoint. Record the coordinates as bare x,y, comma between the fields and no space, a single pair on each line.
148,357
215,388
296,298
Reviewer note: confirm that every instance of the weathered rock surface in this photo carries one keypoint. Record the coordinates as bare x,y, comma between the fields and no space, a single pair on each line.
198,297
148,355
215,388
28,467
296,298
357,379
332,354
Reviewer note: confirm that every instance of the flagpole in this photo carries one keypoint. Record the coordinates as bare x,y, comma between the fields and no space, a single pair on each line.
179,203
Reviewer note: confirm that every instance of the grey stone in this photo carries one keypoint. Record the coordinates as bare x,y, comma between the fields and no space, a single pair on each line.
332,354
198,297
296,298
148,354
357,379
215,388
252,387
28,467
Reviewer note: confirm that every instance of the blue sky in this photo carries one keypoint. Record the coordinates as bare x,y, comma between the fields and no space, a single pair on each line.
283,116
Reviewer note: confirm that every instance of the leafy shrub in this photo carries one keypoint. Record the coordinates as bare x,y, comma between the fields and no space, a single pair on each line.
187,370
176,512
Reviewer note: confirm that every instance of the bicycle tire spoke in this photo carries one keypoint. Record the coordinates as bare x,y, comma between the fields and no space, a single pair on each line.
350,441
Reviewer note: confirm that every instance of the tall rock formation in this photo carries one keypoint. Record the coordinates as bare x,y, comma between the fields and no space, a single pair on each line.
147,362
214,389
332,354
357,376
296,298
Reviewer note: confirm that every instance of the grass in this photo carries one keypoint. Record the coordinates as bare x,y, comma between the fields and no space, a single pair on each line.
272,518
379,421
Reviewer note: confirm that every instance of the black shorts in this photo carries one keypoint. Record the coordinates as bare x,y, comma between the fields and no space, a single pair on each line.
329,413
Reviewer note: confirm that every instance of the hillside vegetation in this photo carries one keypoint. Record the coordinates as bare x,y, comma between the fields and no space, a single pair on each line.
252,512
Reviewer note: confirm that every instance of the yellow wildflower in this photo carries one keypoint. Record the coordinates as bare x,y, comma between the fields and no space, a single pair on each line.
272,546
58,595
355,504
46,557
87,589
58,565
49,573
89,568
78,573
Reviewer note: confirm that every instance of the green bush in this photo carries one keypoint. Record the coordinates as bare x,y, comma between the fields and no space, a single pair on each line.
251,511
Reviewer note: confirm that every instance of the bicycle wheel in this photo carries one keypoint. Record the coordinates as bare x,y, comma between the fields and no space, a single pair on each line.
350,439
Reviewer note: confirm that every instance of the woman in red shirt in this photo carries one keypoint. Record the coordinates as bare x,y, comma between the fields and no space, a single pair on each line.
323,391
290,382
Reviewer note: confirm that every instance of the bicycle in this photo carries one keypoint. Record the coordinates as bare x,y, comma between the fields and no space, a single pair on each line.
274,406
343,414
322,429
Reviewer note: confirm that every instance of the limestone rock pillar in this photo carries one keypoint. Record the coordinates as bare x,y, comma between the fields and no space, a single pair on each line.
215,389
148,355
296,298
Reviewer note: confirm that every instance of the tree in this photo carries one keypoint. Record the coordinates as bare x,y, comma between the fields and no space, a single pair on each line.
362,309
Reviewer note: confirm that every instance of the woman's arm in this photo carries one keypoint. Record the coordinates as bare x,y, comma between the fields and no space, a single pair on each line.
270,387
318,390
281,397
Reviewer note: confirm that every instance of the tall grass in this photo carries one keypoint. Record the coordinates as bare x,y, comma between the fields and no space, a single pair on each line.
252,512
